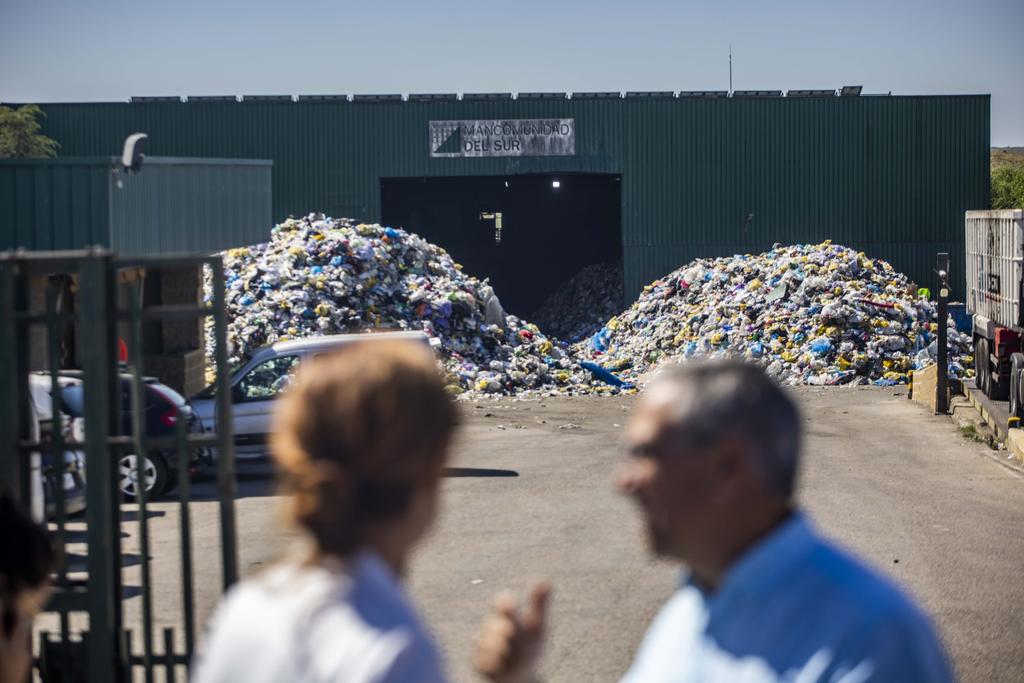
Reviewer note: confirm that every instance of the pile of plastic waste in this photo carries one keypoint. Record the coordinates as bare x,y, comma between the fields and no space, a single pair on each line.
320,276
581,306
812,314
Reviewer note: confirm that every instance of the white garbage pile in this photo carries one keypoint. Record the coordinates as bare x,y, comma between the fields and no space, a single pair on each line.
581,306
321,276
812,314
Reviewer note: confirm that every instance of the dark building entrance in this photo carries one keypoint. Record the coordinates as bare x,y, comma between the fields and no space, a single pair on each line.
527,233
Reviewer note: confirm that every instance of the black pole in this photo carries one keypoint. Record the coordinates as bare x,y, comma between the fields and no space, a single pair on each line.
942,381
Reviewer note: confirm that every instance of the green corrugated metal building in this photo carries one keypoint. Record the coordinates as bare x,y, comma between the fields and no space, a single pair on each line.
170,206
688,174
173,205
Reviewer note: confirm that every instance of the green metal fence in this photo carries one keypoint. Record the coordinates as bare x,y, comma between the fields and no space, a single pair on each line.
108,646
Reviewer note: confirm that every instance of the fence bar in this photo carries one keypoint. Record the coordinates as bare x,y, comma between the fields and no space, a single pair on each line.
141,449
10,426
102,512
129,660
184,499
942,374
22,409
56,433
42,663
168,441
225,431
169,655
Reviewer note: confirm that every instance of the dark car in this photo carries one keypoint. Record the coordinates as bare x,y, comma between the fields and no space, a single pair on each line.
163,408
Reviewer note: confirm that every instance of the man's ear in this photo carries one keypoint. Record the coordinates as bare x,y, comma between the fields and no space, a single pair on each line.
731,469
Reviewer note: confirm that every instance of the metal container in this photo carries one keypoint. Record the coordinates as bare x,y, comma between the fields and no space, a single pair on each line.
995,268
173,205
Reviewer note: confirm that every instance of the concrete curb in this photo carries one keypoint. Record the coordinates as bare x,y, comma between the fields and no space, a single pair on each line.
997,422
996,415
1015,445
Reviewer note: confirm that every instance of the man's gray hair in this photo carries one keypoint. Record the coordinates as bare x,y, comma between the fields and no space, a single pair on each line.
712,400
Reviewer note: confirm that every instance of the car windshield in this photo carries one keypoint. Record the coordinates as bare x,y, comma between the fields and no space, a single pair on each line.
211,390
268,379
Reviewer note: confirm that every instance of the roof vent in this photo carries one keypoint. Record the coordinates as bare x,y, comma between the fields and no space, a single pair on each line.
376,98
757,93
705,94
652,94
323,98
487,96
155,99
267,98
811,93
433,97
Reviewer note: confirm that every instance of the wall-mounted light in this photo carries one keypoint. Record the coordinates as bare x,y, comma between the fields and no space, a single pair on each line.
556,184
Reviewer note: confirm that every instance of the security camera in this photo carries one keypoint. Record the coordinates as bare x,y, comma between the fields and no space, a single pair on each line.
134,152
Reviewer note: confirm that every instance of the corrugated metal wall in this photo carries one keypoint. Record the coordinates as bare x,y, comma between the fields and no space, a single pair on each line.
172,206
889,175
194,205
47,205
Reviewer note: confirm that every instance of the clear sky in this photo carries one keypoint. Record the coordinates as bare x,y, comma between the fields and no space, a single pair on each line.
77,50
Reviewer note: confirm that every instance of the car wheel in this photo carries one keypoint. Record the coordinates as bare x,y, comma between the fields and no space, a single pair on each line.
152,470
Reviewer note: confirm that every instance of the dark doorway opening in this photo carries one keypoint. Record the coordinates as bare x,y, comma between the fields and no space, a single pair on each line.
527,233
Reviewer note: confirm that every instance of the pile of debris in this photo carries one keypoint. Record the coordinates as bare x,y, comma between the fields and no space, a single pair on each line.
812,314
581,306
320,276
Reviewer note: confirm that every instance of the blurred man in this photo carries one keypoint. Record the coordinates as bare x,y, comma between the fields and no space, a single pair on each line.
714,450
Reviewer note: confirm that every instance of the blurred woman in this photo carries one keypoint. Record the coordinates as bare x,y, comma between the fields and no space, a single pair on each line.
360,442
26,560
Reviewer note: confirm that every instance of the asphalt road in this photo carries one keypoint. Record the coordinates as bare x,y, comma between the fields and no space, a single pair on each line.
529,496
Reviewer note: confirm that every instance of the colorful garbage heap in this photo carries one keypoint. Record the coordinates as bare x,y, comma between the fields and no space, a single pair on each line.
320,276
581,306
817,314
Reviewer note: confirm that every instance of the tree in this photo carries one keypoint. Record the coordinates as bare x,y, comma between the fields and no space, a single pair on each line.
19,134
1008,187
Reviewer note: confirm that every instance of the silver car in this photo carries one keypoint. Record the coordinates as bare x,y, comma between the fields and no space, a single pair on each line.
45,475
257,383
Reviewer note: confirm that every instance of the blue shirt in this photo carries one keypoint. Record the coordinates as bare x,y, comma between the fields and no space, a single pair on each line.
793,608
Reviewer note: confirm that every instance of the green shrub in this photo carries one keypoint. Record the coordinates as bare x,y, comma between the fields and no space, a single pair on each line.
1008,187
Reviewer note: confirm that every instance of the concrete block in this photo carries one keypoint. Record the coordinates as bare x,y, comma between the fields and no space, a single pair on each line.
1015,444
182,286
925,383
183,371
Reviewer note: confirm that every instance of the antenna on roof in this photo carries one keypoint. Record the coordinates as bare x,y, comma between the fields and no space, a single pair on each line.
730,68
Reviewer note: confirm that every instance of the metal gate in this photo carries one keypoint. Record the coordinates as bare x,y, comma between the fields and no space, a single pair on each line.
87,634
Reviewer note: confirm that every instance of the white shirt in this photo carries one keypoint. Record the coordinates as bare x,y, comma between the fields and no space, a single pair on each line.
796,609
318,625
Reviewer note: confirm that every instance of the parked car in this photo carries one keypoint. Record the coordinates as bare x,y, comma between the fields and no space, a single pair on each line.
46,476
258,382
163,408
